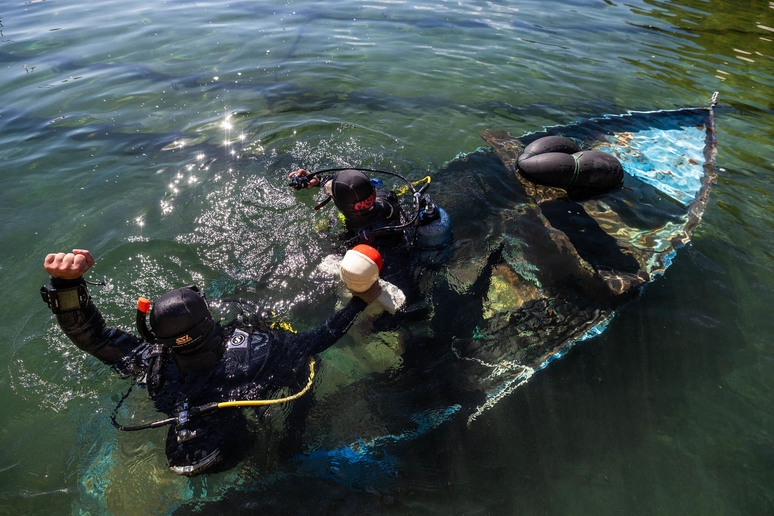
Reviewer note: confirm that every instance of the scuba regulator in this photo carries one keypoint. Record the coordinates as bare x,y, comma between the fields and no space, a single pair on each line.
301,182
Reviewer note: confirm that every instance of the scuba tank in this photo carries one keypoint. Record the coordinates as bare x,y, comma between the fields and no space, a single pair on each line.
433,232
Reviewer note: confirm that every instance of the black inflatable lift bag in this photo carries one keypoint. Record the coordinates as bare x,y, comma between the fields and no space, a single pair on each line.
550,169
548,144
597,170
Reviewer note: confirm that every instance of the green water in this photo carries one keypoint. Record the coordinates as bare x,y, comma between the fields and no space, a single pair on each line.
158,135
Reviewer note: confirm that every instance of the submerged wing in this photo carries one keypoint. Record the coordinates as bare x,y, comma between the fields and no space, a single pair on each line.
629,235
573,261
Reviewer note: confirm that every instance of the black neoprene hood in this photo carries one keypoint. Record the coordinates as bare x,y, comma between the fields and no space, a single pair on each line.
178,312
350,187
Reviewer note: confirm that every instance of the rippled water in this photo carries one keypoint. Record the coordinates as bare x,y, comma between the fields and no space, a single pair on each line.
158,135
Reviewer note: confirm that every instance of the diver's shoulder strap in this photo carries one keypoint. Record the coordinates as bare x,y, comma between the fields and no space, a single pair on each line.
245,345
154,375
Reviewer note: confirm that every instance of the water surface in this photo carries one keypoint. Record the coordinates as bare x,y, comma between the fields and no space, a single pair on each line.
158,135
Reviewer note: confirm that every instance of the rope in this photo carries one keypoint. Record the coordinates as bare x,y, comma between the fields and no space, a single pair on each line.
576,172
523,156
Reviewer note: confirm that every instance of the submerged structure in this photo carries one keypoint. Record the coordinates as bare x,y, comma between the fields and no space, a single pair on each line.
533,270
571,259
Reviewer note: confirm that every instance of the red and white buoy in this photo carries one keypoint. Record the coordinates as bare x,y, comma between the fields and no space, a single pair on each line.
360,267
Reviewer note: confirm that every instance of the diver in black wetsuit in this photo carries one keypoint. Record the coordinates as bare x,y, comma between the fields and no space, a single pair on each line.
367,210
189,360
374,216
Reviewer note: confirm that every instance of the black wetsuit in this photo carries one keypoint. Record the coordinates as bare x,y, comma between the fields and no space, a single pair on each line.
251,364
395,246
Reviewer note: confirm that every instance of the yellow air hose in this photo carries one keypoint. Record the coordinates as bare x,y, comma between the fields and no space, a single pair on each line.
256,403
211,407
403,189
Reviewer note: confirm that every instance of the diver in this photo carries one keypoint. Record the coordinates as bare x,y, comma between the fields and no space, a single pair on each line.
373,216
367,210
191,364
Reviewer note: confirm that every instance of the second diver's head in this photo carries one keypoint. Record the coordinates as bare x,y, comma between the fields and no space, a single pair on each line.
181,321
353,193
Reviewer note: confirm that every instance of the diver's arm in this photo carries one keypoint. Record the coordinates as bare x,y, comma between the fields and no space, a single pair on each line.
77,315
322,181
326,335
313,181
